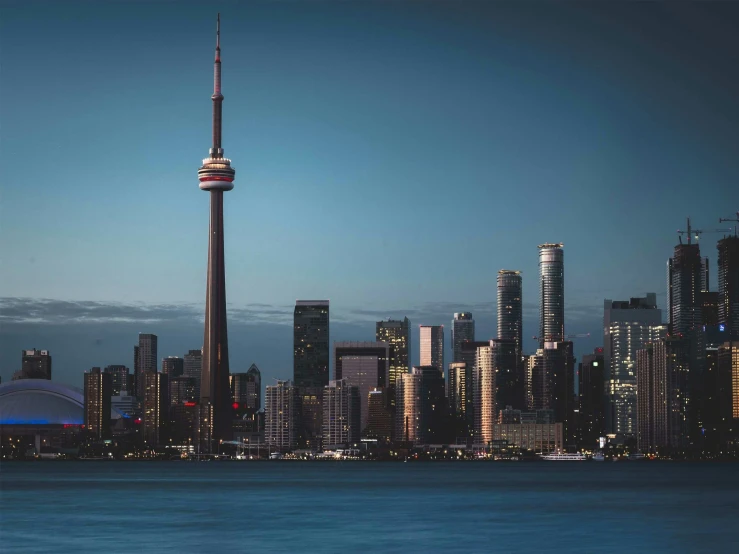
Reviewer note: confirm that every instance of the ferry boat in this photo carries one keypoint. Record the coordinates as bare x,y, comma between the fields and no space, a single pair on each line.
564,457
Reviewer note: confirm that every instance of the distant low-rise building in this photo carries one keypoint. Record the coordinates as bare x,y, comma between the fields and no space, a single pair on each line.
544,437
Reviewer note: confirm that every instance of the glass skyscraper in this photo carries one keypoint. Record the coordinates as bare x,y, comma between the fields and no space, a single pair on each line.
463,329
432,346
510,311
551,293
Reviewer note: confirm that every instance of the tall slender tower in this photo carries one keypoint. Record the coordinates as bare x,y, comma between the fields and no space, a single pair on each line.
551,293
216,176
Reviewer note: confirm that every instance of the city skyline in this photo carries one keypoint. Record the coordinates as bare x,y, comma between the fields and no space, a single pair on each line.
60,302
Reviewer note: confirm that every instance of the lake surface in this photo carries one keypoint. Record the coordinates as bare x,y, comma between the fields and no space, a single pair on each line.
369,507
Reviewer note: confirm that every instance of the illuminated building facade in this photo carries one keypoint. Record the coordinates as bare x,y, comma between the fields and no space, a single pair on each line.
432,346
120,378
246,388
98,391
420,406
686,278
341,414
551,293
728,284
281,410
364,365
380,417
485,393
510,307
146,360
193,368
173,366
463,329
155,408
535,437
397,335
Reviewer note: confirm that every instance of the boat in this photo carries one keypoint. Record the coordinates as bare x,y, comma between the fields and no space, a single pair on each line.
599,457
564,457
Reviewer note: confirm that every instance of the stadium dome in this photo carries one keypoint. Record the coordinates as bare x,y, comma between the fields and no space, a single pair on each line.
42,402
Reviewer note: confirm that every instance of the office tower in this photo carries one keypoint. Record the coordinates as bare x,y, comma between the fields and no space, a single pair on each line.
397,335
146,360
380,417
463,329
686,276
120,379
246,389
216,176
181,390
458,400
281,407
173,366
551,293
155,408
468,353
510,381
510,307
193,368
550,383
592,405
98,388
341,414
420,406
432,346
35,364
485,406
728,284
364,365
627,327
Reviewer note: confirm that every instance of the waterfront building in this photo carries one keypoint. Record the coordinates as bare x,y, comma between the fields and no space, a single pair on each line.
397,335
246,389
98,388
535,437
627,327
510,307
155,408
146,360
728,284
120,378
341,414
420,406
432,346
486,413
364,365
550,383
468,353
592,399
216,177
458,400
281,408
380,417
173,367
35,364
551,293
463,329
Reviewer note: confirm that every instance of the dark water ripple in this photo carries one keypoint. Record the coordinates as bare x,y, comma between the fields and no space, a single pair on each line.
368,507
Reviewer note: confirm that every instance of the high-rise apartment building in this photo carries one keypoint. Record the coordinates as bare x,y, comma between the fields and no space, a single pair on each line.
463,329
457,399
155,407
397,335
281,408
627,327
420,406
728,284
35,364
510,379
728,369
550,384
341,414
592,399
364,365
246,389
98,389
485,393
181,390
510,307
551,293
193,368
173,366
147,360
686,278
380,417
432,346
469,358
120,378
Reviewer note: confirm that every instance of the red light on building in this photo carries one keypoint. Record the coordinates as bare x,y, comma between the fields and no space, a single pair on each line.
190,404
137,420
235,405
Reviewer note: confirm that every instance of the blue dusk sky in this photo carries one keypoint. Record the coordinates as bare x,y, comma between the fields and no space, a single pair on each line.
389,156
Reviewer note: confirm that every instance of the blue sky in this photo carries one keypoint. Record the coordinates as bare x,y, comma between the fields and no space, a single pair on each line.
390,156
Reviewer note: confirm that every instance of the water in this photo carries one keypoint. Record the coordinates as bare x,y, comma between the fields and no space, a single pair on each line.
369,507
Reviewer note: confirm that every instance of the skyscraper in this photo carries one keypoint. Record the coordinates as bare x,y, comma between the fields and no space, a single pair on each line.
364,365
98,390
246,388
120,378
510,307
420,405
463,329
380,419
485,404
146,354
432,346
173,366
457,399
627,327
468,352
551,293
592,407
281,406
216,176
728,284
551,377
35,364
341,414
193,368
397,335
310,364
155,407
686,276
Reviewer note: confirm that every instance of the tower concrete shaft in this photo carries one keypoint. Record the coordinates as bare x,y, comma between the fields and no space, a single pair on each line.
216,176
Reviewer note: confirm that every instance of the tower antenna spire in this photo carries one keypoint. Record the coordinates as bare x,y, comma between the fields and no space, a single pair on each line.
217,150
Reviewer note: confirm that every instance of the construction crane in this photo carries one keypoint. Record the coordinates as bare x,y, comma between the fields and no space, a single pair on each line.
577,336
697,232
736,219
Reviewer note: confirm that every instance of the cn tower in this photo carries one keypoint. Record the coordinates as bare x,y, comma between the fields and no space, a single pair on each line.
216,176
